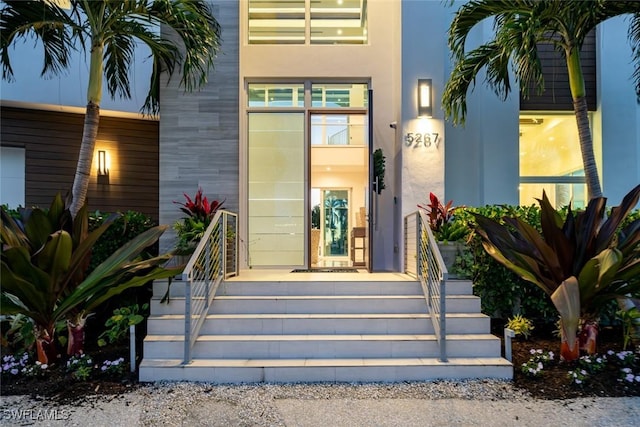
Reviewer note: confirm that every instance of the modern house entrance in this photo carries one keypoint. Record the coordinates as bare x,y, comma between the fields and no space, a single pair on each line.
308,155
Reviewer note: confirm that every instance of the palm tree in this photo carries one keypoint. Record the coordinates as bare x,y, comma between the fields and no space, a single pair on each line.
520,25
109,30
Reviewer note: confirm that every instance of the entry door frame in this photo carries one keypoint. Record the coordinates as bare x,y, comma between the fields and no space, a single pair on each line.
338,112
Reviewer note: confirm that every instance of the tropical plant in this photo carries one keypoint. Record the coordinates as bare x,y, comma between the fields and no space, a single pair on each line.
629,320
109,30
441,220
191,228
43,263
520,325
520,26
581,263
118,324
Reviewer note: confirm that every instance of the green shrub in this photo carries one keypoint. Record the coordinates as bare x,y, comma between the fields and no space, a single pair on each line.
123,230
503,293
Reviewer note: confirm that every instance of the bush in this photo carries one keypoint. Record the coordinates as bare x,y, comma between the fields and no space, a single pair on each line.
504,293
123,230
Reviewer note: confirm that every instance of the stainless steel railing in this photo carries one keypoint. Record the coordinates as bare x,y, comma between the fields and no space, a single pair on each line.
423,260
215,258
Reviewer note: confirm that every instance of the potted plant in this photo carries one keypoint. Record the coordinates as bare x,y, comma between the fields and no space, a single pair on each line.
447,232
190,229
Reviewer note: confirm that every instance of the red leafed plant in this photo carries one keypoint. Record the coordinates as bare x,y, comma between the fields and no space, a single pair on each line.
439,214
199,207
191,228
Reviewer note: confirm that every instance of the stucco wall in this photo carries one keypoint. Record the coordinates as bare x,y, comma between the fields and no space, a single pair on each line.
617,121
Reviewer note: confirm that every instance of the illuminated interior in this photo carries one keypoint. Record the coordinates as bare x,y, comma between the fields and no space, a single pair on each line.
307,21
550,160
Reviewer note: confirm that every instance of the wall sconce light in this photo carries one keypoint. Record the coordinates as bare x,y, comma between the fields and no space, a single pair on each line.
102,163
103,170
425,98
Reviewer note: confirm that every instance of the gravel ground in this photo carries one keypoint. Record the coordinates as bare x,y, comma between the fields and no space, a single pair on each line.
472,403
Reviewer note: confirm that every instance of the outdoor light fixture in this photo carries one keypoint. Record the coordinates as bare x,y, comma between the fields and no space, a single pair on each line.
425,95
102,163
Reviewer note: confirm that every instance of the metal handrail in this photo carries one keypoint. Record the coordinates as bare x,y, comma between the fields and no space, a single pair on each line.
430,271
214,259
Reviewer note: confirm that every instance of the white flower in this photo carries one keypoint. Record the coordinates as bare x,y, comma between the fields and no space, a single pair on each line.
44,366
630,378
532,351
104,368
638,378
578,381
583,372
626,370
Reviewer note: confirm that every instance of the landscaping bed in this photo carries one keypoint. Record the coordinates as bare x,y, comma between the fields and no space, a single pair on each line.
552,383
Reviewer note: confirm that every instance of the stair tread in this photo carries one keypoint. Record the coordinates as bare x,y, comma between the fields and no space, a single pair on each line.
322,337
327,362
319,316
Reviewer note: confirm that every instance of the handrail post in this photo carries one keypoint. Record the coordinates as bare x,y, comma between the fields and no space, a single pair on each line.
443,320
187,322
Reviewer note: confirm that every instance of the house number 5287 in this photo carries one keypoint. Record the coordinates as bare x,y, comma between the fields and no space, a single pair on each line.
415,140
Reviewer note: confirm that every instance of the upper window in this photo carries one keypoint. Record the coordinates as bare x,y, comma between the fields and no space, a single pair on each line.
270,95
551,160
307,21
323,95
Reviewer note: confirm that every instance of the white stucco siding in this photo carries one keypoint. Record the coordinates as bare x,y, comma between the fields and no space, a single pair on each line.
617,121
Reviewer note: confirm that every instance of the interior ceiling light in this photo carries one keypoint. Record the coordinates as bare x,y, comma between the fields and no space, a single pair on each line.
531,120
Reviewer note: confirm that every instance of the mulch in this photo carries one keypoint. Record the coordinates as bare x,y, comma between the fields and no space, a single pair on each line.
552,384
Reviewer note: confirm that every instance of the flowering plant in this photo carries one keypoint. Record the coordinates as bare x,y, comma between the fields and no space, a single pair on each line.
113,367
536,363
80,367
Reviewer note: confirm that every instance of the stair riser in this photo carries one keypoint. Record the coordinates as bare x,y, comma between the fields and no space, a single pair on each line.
324,374
253,326
458,287
302,306
321,349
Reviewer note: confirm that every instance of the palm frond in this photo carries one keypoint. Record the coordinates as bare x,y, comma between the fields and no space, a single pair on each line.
36,21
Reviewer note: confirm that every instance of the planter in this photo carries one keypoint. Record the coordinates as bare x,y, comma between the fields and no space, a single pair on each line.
449,252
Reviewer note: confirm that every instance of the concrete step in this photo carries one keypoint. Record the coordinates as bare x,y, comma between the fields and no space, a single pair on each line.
320,304
365,323
230,288
322,346
224,371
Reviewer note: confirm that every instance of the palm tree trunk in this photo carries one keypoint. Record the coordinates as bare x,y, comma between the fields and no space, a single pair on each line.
85,158
90,132
576,83
586,147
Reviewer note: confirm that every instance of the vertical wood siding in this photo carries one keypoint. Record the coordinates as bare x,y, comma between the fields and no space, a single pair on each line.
52,143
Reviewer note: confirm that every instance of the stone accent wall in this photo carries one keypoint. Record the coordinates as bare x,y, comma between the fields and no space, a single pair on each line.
199,131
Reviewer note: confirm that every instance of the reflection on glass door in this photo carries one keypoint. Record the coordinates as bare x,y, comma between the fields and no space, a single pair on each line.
336,223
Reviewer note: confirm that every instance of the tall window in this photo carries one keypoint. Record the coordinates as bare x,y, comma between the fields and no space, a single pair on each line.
551,160
307,21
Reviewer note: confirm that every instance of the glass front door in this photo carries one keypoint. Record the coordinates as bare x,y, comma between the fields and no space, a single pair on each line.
335,228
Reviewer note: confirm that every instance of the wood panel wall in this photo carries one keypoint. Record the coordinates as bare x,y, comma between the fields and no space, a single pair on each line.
52,142
557,94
